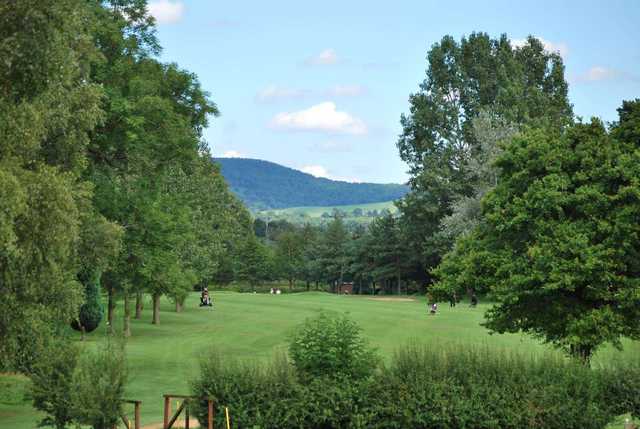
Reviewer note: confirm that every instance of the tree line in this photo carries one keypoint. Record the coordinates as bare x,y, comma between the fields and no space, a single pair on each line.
106,182
321,257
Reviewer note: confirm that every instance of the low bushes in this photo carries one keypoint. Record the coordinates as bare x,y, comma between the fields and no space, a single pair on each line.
79,386
422,387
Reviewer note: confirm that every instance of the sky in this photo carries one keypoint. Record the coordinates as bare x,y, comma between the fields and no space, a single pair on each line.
320,86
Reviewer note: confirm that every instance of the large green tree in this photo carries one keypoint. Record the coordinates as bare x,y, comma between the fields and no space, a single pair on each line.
289,255
522,85
47,109
559,247
150,165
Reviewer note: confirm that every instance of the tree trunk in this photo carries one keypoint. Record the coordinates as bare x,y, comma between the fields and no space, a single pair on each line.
111,304
127,315
290,284
308,285
139,304
582,353
399,285
178,306
156,309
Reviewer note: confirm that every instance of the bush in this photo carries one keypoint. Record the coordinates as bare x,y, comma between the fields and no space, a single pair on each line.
332,383
621,388
98,386
51,383
444,388
331,346
91,312
273,395
458,387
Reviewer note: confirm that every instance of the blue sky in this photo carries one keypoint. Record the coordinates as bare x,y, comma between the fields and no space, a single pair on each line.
320,86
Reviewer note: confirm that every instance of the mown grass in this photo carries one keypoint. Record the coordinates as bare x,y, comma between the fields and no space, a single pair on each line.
164,358
314,214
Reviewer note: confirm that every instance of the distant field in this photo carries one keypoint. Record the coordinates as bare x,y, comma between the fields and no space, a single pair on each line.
314,214
164,358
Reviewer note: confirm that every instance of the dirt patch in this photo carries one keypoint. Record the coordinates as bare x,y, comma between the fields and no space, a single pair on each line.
193,423
390,299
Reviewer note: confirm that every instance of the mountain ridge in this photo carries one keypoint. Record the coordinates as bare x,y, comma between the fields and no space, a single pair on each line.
267,185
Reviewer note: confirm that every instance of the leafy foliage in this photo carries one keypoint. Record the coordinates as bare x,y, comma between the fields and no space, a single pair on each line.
437,387
559,244
47,109
91,312
331,346
517,86
51,384
98,385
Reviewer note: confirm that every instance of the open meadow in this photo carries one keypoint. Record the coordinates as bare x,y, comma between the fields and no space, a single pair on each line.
164,358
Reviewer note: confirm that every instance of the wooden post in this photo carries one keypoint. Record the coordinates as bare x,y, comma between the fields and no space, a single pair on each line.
186,414
209,414
137,415
167,410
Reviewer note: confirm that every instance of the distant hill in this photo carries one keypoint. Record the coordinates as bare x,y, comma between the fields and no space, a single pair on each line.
266,185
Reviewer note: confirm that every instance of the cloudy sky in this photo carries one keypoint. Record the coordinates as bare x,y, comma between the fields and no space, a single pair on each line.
320,86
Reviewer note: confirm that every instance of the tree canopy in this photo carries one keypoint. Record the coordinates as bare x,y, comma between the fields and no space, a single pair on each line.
559,245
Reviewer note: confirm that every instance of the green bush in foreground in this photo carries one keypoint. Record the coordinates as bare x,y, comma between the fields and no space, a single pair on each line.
331,346
443,387
51,384
98,386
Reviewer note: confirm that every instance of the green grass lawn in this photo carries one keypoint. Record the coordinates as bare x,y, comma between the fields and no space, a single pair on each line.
314,214
164,358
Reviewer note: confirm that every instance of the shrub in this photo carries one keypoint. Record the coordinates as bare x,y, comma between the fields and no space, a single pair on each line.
91,312
273,395
51,383
457,387
331,346
621,388
98,386
332,384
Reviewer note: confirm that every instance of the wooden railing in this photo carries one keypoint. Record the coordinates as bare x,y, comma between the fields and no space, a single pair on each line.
185,406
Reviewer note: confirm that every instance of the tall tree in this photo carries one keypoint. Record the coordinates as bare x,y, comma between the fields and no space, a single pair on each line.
47,109
253,262
558,247
333,252
147,161
289,255
523,85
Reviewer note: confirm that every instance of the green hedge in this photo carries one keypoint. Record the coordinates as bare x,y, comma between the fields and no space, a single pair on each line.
445,387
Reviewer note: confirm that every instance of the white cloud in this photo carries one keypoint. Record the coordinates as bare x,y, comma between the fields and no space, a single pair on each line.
316,170
346,91
233,154
560,48
274,93
320,171
326,57
166,11
321,117
600,73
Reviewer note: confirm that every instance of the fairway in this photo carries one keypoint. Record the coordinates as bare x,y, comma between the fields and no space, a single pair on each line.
162,359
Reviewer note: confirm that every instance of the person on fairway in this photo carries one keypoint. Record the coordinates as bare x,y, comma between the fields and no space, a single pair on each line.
474,299
205,299
434,308
453,298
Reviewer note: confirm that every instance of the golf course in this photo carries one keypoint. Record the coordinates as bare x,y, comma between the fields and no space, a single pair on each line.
164,358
